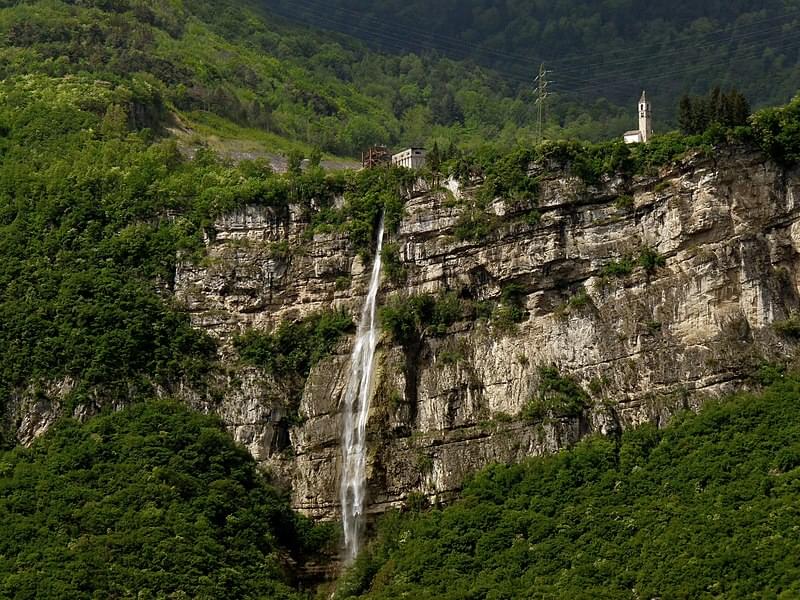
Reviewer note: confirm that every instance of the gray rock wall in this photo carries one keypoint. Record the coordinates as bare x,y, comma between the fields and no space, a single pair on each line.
643,346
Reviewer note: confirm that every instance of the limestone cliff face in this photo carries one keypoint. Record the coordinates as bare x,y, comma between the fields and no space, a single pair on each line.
642,345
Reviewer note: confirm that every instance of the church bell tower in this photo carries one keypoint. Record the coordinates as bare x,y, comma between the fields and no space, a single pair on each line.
645,118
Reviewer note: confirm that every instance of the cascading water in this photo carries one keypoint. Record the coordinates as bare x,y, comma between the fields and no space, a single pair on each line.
355,411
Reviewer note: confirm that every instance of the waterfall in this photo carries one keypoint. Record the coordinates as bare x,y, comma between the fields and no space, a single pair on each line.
355,411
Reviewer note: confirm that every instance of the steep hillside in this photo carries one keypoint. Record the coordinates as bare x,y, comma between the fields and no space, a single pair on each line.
531,296
230,70
597,50
150,502
97,202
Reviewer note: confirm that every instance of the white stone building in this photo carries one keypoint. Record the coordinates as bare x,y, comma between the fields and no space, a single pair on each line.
645,131
411,158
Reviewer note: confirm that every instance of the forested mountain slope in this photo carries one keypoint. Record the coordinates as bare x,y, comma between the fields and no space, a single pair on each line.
151,502
95,203
228,67
597,50
707,508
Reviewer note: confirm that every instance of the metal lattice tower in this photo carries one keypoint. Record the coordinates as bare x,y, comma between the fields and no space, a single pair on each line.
542,93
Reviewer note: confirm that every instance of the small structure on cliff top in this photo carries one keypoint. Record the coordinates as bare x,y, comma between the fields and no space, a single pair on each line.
410,158
645,131
375,156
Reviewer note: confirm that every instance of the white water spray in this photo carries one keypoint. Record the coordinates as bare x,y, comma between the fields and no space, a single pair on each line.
355,412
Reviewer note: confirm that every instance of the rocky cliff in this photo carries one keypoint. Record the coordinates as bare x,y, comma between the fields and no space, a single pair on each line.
642,338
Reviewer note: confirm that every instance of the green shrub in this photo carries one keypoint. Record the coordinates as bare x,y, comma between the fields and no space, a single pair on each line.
650,260
450,357
777,132
294,347
654,326
369,195
583,160
596,385
788,459
473,225
624,203
482,310
769,373
637,445
506,176
506,318
416,503
662,186
618,268
408,318
402,321
392,265
579,300
557,396
424,463
511,310
533,217
448,309
576,302
788,327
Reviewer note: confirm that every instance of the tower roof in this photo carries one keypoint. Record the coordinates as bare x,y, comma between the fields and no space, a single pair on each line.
644,97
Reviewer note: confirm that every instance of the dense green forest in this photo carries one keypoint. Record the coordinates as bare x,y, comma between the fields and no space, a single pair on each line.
597,50
227,68
708,508
156,501
151,502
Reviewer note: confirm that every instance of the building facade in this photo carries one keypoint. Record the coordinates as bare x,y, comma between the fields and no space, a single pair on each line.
411,158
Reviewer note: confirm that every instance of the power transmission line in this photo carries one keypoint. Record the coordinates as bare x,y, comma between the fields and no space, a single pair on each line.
620,80
792,43
634,56
572,84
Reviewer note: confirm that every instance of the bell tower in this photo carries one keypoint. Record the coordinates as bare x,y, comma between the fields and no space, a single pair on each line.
645,118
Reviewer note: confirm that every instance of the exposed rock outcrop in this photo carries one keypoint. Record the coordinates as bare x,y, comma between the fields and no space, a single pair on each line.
644,344
643,341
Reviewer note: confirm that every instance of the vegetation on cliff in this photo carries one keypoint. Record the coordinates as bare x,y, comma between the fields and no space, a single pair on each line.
94,215
96,212
505,174
294,347
368,195
705,508
151,502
